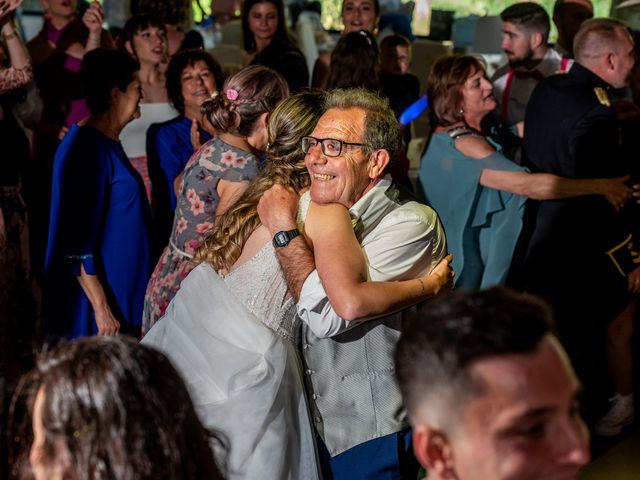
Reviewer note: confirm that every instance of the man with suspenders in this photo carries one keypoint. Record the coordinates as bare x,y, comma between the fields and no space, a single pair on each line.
525,31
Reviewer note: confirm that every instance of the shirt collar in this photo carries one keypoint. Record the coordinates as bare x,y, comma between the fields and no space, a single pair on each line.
587,75
548,65
370,208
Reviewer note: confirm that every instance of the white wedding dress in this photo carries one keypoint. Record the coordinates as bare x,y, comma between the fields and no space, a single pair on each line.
233,340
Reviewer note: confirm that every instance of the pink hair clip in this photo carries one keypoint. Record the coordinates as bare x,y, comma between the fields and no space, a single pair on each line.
232,94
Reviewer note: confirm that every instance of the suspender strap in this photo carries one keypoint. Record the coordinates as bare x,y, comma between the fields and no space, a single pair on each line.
535,74
505,95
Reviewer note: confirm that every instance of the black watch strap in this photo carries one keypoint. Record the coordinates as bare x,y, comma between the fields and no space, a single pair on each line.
282,239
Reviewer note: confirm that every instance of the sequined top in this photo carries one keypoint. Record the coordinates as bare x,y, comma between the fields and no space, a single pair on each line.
260,285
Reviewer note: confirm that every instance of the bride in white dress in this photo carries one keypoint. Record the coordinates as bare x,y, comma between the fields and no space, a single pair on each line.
232,330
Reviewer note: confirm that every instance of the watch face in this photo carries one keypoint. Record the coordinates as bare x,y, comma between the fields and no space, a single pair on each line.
281,239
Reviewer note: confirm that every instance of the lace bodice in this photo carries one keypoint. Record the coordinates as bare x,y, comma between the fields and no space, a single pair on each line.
260,285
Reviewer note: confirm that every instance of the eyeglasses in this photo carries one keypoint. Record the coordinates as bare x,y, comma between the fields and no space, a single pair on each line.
330,146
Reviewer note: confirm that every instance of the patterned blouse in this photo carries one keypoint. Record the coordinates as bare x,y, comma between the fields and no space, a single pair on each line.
198,199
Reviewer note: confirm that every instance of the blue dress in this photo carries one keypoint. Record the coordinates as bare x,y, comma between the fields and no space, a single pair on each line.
99,219
482,224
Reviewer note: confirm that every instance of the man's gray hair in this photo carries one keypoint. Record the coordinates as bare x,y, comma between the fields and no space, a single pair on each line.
597,37
381,129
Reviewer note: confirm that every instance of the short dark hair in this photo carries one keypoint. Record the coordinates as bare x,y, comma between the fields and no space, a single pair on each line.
103,70
120,409
444,87
395,40
437,348
247,36
355,63
529,16
178,63
137,23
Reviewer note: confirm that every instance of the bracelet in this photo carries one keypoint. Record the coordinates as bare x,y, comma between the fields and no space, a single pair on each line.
421,283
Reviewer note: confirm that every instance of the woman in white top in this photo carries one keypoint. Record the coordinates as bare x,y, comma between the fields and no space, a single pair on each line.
145,37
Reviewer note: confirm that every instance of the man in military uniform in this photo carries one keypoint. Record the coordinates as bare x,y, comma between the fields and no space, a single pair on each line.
579,253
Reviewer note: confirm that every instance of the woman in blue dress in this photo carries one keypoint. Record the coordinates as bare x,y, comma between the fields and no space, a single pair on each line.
191,77
98,260
477,191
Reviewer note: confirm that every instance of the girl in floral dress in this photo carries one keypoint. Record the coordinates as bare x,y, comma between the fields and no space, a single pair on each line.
215,176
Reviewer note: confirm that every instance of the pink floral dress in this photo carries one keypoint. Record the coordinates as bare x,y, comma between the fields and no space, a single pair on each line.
194,216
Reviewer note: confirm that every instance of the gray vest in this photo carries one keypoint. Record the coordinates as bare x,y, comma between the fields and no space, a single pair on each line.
350,378
350,383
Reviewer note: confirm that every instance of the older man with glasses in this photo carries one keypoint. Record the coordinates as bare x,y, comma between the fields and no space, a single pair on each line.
355,402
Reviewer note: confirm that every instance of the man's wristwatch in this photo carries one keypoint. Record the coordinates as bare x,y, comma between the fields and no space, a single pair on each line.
282,239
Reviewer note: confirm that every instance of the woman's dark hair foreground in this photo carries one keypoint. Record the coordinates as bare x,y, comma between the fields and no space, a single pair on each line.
355,63
113,409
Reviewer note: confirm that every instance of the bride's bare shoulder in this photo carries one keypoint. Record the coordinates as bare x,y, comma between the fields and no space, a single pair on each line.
253,245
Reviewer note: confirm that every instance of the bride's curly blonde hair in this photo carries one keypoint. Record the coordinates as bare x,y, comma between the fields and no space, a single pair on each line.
292,119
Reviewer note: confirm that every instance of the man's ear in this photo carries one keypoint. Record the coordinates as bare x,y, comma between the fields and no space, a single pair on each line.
114,95
611,61
434,452
378,163
536,40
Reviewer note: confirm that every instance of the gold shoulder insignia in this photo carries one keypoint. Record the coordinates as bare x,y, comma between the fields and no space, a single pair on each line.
625,256
603,96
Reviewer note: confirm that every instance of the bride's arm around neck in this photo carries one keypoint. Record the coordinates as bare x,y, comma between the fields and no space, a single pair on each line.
343,270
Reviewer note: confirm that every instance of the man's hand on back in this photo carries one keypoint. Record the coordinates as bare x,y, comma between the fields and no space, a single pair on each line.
278,208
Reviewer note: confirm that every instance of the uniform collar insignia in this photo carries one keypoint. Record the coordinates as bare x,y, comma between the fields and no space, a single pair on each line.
603,96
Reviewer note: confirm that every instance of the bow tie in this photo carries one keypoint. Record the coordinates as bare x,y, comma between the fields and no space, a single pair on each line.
528,74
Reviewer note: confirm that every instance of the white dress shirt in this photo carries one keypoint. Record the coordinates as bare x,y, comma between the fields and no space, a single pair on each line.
516,85
401,240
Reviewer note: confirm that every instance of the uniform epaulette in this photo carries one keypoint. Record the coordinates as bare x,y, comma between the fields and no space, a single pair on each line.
625,256
603,96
